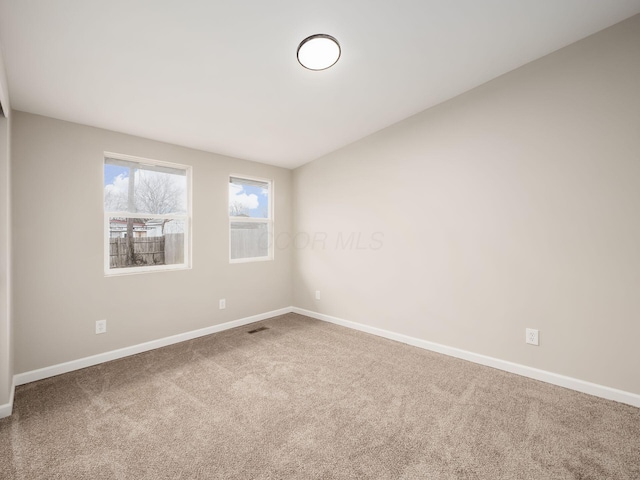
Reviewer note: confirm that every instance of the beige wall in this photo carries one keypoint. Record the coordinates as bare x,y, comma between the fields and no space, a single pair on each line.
514,205
59,286
6,359
6,342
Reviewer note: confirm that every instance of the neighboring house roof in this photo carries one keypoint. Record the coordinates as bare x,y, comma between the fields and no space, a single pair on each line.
123,224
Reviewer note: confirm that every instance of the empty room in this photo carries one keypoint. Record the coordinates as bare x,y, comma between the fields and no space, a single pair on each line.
337,240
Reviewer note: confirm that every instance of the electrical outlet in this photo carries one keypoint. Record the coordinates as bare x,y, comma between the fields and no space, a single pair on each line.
223,304
101,326
317,294
532,336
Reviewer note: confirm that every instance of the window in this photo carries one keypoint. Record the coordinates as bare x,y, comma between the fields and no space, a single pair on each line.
250,219
147,215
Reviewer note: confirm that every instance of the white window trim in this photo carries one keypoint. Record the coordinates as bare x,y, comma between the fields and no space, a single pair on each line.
188,247
269,221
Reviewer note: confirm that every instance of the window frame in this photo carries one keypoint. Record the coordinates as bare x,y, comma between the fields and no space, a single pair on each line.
186,217
269,221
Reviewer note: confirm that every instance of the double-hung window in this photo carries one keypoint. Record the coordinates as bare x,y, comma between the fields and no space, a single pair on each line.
147,215
250,219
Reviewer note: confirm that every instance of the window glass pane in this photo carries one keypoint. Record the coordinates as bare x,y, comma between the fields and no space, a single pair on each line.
158,190
140,242
248,198
116,188
249,240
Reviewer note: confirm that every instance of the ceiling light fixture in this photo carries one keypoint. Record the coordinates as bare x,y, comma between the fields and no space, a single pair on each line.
318,52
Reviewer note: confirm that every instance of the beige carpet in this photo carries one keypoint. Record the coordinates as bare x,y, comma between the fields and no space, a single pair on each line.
310,400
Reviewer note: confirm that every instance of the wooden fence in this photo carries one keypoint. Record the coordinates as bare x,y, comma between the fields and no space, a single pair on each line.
167,250
249,240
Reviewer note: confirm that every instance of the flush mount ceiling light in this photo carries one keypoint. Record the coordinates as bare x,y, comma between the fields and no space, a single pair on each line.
318,52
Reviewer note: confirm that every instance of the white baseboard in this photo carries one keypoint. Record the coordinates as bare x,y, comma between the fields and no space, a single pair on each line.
60,368
7,408
542,375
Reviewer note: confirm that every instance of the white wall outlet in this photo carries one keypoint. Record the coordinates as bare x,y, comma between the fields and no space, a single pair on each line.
223,304
317,294
532,336
101,326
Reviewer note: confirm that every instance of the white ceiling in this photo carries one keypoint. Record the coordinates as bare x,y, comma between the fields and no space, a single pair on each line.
222,76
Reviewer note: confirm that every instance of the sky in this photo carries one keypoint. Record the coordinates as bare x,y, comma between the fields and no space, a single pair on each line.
254,199
112,171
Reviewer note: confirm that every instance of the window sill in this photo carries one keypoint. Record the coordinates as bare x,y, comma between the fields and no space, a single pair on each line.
118,272
250,260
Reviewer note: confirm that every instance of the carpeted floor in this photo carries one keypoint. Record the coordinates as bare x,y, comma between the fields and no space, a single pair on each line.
310,400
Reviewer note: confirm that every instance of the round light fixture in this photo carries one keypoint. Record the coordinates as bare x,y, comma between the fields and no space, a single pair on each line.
318,52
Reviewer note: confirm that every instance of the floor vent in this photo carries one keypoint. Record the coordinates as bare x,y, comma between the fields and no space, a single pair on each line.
259,329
